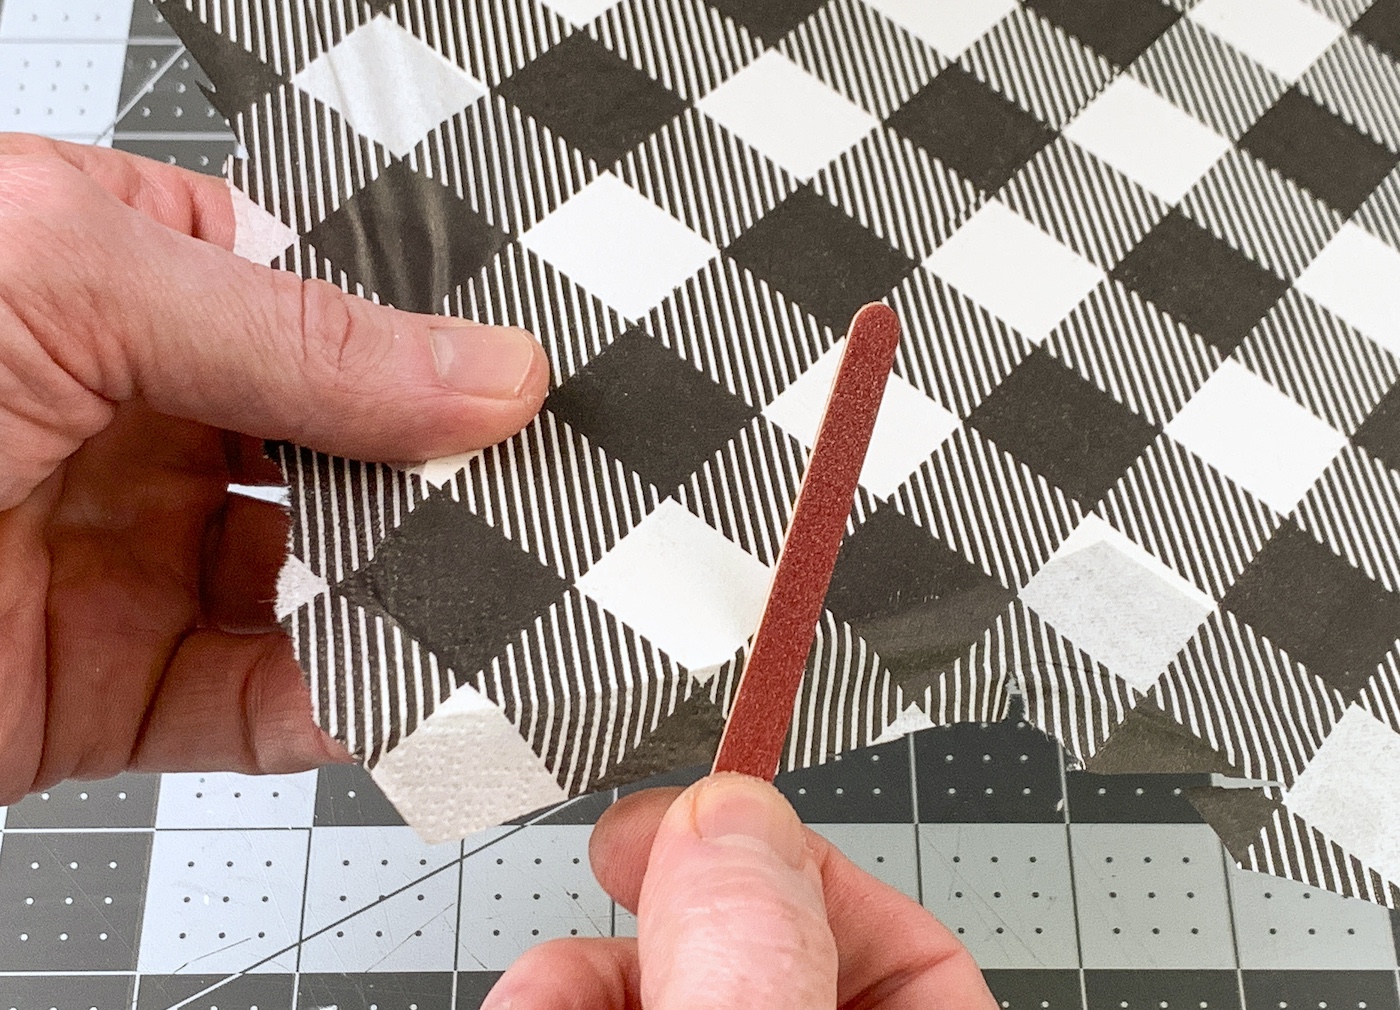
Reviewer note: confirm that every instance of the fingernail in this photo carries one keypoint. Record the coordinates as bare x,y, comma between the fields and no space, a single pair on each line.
738,806
482,360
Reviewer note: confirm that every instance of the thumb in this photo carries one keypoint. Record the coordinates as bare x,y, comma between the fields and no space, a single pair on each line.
123,306
731,911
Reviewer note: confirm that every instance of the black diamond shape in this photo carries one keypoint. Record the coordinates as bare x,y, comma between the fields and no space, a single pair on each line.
919,603
770,20
1379,434
592,98
1121,30
1316,607
1321,152
407,238
820,258
1063,427
1380,26
455,583
973,129
657,414
1217,291
240,78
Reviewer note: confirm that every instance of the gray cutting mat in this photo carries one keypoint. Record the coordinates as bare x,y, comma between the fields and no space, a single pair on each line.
219,891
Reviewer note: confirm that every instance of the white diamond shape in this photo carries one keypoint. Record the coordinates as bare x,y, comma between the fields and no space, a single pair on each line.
1020,273
1116,601
580,12
787,114
1357,276
950,26
439,471
619,245
1348,792
1256,436
257,235
1285,36
465,768
1147,138
694,593
389,85
908,430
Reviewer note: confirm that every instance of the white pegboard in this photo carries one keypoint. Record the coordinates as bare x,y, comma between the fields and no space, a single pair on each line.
398,930
221,901
530,885
885,851
1284,925
67,90
1004,889
221,800
1151,896
66,20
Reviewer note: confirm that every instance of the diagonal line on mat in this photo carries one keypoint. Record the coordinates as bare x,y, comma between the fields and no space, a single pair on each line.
145,89
346,918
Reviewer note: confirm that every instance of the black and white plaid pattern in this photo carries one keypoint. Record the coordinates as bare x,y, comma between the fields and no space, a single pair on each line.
1142,445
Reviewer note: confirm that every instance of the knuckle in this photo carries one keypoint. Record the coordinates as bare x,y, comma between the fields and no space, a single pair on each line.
335,346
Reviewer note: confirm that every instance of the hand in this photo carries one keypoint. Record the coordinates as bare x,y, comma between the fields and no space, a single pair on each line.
741,906
141,365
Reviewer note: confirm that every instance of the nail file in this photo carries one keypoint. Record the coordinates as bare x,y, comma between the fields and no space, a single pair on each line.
758,722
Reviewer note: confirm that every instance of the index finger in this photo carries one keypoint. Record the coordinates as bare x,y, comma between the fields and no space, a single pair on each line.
893,954
187,202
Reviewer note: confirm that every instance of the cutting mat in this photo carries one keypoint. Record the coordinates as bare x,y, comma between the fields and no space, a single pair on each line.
220,891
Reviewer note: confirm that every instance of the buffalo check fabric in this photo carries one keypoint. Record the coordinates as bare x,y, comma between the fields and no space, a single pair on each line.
1139,465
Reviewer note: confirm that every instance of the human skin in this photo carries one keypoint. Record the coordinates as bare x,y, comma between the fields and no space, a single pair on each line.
142,364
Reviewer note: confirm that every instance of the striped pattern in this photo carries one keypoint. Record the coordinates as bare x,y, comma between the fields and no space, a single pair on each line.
510,169
1133,351
863,55
954,350
685,44
1361,84
1189,515
1344,12
747,491
1245,697
371,683
899,191
1288,847
583,689
743,334
286,36
1038,66
1067,694
519,289
1354,508
1208,78
706,177
490,39
846,699
303,160
1380,214
1381,695
1085,203
560,498
1264,215
977,689
1322,362
992,509
342,509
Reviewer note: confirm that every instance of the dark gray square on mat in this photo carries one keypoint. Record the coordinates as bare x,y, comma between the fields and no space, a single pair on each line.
72,902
